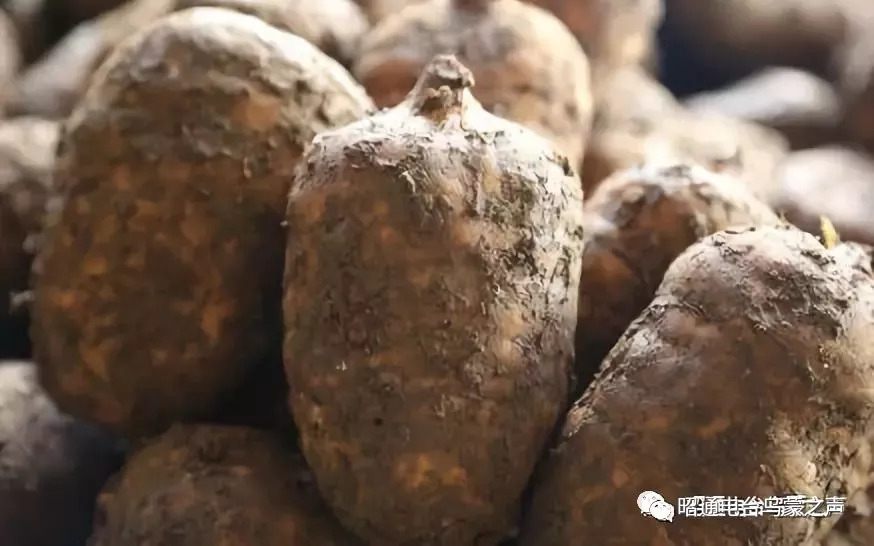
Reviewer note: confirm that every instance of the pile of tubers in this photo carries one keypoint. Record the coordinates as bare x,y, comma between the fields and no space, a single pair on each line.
434,272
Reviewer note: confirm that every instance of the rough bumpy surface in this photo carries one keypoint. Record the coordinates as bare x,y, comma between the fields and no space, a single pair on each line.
637,222
430,305
158,286
51,466
209,485
27,156
528,66
749,374
834,182
638,121
334,26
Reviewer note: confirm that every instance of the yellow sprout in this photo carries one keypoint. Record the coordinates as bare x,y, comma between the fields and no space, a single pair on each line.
830,237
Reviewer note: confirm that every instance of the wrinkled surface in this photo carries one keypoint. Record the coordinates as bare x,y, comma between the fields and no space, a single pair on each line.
528,67
210,485
834,182
158,286
52,86
749,374
27,155
334,26
637,121
637,222
800,105
430,304
51,466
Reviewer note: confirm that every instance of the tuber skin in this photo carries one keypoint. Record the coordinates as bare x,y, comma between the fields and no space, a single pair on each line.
430,303
334,26
210,485
637,222
801,106
529,67
51,466
158,287
750,373
27,156
832,181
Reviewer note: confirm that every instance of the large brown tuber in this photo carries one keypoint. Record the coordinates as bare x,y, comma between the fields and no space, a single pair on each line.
209,485
528,66
750,374
430,303
27,156
51,466
334,26
158,285
637,222
834,182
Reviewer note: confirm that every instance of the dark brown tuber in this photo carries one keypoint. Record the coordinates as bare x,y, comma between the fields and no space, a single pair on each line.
430,303
158,288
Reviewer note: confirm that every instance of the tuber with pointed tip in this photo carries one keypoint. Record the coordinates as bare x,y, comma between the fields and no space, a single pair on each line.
637,222
750,374
528,66
52,466
158,287
430,302
201,485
